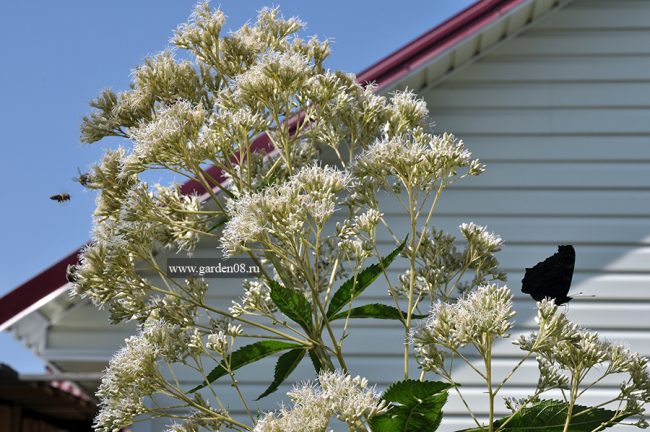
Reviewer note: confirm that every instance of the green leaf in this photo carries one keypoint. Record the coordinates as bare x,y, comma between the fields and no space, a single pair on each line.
415,406
245,355
221,222
292,304
374,310
349,290
283,368
550,415
410,391
315,361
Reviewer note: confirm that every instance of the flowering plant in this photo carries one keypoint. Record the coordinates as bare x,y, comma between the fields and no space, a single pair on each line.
313,230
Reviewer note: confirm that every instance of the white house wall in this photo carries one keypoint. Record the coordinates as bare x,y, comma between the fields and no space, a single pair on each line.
561,117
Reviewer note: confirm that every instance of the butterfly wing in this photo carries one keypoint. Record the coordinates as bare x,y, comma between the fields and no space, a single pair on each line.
551,277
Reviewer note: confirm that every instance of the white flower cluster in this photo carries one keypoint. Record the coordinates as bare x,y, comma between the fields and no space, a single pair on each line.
482,315
276,75
107,277
444,265
218,342
180,214
283,212
368,220
480,239
201,33
256,299
339,395
357,114
407,110
420,160
564,348
110,179
357,237
161,79
132,374
230,129
170,136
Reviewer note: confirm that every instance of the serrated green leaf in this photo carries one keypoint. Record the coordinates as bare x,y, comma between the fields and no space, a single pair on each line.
292,304
349,290
422,417
283,368
415,406
246,355
550,415
315,361
412,391
374,310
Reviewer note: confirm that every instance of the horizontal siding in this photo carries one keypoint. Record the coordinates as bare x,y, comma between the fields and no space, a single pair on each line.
557,203
586,175
561,116
543,121
555,96
559,148
619,323
571,43
557,69
599,14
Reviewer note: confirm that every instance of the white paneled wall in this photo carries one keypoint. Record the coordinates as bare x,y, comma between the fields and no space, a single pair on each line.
561,117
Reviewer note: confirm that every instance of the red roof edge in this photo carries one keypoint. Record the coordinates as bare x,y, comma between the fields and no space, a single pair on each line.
38,287
435,41
385,71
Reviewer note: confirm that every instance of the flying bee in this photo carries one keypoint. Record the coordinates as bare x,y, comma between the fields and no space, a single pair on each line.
71,273
60,197
83,179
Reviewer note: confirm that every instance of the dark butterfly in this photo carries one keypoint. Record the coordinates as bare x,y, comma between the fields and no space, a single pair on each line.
551,277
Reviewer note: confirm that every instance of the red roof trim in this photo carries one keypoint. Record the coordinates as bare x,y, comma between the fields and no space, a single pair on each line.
44,283
387,70
435,41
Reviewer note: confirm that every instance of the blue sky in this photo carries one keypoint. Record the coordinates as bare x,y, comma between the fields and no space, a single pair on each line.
59,55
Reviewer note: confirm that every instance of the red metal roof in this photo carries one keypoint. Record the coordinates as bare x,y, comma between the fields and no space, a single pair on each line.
437,40
386,71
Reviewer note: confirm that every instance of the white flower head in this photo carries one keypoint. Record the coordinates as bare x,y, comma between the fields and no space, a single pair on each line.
168,137
418,160
132,374
202,29
218,342
256,299
283,211
482,315
479,238
340,395
276,73
408,108
368,220
349,398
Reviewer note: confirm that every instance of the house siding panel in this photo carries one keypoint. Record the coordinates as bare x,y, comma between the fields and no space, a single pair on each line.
560,114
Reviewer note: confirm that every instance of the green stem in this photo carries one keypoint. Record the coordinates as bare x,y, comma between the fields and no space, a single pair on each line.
572,400
409,311
488,379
